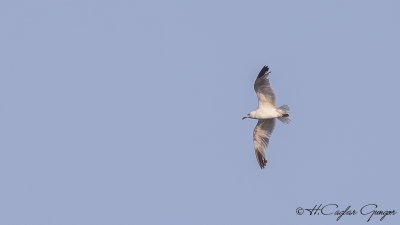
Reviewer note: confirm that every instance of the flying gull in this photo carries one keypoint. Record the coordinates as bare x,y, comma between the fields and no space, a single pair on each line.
266,114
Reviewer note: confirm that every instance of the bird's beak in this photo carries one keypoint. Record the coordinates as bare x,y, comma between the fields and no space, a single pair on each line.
244,117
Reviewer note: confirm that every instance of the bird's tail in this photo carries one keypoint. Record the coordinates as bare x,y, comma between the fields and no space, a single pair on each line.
284,111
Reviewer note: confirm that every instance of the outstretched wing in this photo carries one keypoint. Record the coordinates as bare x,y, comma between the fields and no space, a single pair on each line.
265,94
261,135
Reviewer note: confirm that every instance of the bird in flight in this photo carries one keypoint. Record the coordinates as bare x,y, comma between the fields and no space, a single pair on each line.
266,114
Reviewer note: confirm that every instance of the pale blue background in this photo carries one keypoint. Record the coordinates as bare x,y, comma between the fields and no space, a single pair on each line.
129,112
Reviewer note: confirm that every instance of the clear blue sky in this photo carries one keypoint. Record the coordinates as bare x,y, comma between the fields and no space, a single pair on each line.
129,112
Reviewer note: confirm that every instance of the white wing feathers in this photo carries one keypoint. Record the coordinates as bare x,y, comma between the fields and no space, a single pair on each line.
261,135
262,87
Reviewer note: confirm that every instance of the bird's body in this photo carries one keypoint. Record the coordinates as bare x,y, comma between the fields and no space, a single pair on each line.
266,114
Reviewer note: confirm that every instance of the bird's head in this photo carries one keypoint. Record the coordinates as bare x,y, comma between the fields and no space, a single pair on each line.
250,115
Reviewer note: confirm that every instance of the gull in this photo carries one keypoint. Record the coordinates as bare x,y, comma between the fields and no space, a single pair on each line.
266,114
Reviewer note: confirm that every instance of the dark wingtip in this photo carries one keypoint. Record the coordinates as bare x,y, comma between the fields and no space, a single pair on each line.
263,71
261,160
